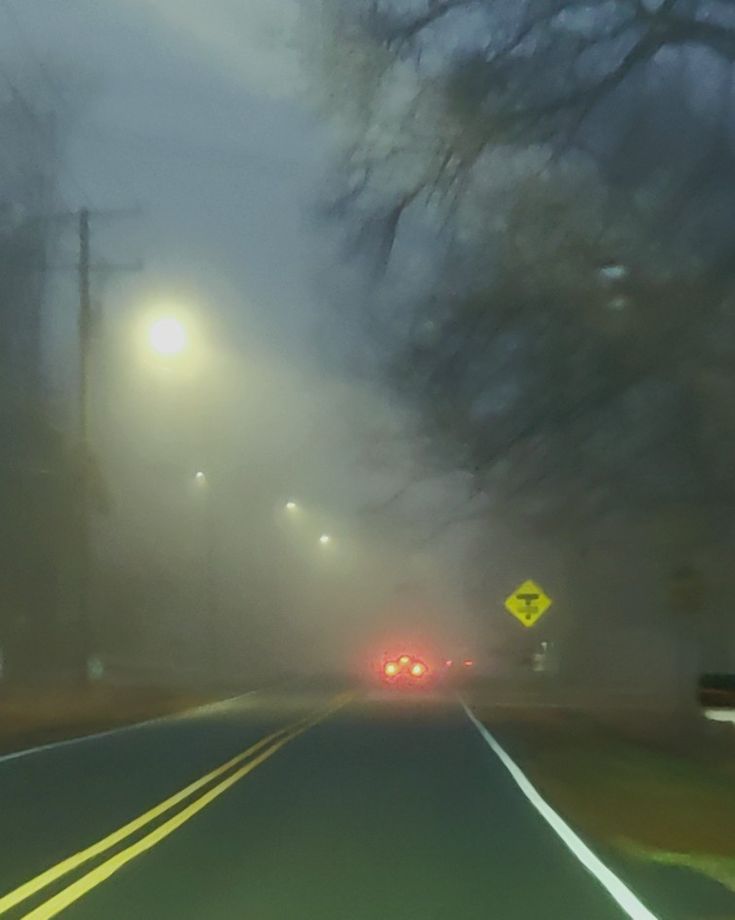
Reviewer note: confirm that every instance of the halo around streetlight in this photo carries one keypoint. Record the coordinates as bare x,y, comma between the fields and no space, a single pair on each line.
167,336
325,539
291,506
200,477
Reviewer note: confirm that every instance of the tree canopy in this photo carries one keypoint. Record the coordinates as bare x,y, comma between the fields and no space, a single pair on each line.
561,172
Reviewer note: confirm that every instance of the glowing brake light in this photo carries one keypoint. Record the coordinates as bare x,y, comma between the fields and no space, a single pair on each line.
390,669
468,662
404,660
448,663
418,669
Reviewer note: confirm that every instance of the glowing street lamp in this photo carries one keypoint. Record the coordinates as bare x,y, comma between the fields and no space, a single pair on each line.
292,506
614,271
167,337
200,477
325,539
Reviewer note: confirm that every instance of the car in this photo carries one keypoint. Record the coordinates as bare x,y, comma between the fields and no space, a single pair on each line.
459,671
406,671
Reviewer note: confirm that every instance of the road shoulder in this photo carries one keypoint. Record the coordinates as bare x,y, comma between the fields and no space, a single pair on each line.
660,812
32,718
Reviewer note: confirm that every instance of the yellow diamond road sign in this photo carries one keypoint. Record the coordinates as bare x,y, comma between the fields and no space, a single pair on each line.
528,603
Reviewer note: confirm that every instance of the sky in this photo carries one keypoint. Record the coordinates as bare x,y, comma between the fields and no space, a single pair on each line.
196,117
202,116
197,114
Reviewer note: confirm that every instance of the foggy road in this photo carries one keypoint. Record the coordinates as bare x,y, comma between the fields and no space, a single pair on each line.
277,806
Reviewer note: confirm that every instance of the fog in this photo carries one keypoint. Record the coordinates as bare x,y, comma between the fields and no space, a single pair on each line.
367,423
192,141
438,336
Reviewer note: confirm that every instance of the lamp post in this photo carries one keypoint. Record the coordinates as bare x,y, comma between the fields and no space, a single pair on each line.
210,579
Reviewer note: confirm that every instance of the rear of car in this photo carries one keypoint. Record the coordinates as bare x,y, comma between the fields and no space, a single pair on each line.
406,672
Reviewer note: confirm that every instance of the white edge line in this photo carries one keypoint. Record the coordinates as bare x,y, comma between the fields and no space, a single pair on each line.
133,726
617,889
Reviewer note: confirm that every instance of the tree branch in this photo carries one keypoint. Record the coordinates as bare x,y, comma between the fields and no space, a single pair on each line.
436,11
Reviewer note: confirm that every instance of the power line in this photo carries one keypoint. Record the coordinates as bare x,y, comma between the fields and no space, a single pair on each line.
58,95
34,117
51,85
149,146
33,54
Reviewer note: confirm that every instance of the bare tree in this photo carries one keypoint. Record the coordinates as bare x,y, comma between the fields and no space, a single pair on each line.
566,172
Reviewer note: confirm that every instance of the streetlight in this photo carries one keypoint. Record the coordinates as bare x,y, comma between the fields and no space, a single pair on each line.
291,506
167,336
325,539
210,576
210,565
613,271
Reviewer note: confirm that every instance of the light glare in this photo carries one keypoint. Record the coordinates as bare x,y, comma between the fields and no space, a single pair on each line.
167,336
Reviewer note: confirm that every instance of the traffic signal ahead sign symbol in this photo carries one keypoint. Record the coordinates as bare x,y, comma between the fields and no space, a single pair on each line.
528,603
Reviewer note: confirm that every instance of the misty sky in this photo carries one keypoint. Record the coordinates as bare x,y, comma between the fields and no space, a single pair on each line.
198,114
192,111
193,114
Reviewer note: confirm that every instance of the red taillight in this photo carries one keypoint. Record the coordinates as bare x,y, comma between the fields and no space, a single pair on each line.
448,663
418,669
390,669
468,663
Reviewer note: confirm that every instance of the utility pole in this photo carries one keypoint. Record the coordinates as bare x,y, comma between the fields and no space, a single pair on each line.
211,586
84,269
210,618
85,339
85,323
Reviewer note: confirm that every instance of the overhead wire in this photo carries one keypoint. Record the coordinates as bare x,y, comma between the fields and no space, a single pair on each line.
59,100
151,146
33,116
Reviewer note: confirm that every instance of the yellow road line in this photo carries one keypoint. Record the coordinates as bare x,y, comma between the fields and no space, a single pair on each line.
34,885
55,872
101,873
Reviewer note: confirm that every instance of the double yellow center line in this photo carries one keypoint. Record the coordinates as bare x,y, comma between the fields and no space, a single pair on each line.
246,762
